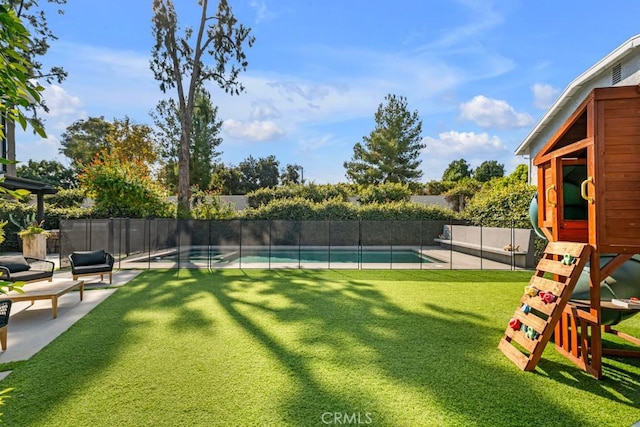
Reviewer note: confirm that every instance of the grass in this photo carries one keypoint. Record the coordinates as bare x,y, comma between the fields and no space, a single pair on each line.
286,348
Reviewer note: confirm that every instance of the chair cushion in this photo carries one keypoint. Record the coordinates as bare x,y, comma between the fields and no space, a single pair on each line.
90,269
15,263
88,258
30,275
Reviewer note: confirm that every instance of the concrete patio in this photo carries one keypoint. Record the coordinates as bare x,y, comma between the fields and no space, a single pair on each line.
31,327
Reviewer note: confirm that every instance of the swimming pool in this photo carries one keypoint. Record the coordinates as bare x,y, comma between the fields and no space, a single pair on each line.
294,256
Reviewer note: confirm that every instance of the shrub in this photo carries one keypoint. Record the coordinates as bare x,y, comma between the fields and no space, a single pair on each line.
385,193
335,209
65,198
463,191
404,211
207,205
18,216
312,192
123,189
501,206
294,209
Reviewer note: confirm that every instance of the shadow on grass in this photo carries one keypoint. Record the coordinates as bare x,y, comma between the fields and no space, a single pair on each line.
437,352
380,349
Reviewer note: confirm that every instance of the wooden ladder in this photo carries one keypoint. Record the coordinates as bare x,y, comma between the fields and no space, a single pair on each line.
543,317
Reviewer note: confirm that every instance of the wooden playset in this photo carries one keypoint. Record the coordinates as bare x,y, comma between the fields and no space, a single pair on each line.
588,206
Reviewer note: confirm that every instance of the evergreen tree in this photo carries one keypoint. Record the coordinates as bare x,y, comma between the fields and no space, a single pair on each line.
390,153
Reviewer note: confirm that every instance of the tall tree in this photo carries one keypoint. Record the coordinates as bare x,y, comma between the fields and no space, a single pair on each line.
292,174
457,170
84,138
259,173
226,179
179,62
132,141
51,172
487,170
30,12
390,153
205,140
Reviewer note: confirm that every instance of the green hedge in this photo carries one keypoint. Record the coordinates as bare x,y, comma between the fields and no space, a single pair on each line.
302,209
312,192
385,193
501,206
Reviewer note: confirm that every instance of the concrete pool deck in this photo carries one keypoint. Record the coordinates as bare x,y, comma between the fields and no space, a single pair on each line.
442,259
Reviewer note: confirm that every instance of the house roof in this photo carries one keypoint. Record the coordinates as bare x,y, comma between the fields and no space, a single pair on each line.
570,92
35,187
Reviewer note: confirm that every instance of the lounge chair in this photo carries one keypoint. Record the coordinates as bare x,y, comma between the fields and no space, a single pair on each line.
5,310
17,268
91,263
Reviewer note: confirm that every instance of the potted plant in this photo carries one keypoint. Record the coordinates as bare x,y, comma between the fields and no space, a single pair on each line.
34,237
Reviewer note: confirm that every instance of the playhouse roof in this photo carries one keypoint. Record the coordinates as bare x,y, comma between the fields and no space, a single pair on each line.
574,87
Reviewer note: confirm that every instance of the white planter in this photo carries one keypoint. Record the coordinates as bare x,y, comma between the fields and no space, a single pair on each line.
35,246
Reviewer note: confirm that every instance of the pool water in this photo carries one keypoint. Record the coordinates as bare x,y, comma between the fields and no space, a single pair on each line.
337,256
275,256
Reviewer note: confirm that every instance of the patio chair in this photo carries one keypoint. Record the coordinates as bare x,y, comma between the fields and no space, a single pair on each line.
17,268
91,263
5,310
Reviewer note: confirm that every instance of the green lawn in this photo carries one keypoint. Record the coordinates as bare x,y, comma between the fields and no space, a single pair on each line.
293,348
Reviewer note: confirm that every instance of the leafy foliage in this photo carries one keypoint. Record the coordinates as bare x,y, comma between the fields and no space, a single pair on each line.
385,193
207,205
123,189
390,153
132,141
65,198
405,211
463,191
178,61
51,172
85,138
17,88
501,206
488,170
435,188
335,209
226,179
290,175
205,139
261,173
457,171
313,192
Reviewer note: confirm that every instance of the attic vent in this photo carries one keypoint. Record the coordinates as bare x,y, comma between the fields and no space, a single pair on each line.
616,74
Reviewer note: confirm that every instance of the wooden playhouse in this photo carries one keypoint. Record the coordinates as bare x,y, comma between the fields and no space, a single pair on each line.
589,210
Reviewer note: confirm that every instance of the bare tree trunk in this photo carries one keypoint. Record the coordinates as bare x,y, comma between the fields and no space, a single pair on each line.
10,133
184,189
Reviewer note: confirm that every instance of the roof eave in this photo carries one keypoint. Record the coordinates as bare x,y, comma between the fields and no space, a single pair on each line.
573,87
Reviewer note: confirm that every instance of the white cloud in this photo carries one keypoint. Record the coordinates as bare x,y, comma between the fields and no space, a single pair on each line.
60,103
468,143
544,95
255,130
493,113
262,10
453,145
263,110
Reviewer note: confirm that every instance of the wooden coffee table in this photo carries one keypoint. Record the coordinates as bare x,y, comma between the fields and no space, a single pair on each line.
46,290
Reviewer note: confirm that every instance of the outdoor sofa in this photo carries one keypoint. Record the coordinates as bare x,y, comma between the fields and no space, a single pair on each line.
91,263
18,268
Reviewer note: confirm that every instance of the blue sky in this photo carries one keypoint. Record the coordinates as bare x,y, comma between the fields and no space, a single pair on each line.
479,73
